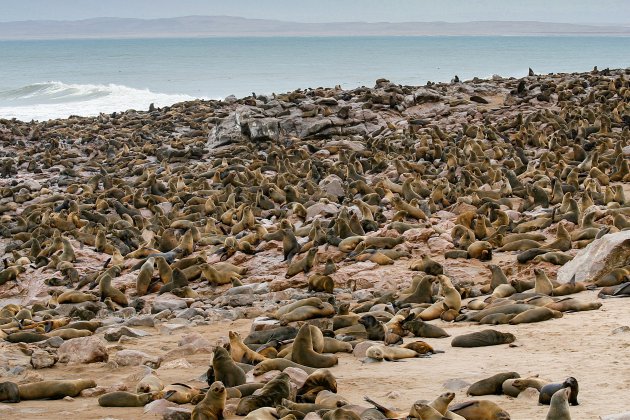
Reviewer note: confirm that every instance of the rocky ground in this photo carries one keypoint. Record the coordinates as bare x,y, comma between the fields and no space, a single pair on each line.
210,182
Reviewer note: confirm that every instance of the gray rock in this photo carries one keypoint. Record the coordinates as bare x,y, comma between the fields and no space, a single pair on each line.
321,208
598,258
158,407
140,321
240,290
177,413
263,129
167,301
136,358
237,300
188,313
52,342
333,185
114,334
83,350
41,359
261,288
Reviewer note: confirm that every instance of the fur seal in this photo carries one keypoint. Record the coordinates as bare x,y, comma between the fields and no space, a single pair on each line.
573,305
225,370
480,410
279,364
54,390
108,291
492,385
303,265
304,354
543,285
319,380
559,405
270,395
240,352
127,399
535,315
547,391
422,329
381,352
9,392
212,405
144,276
483,338
341,414
321,283
427,265
265,336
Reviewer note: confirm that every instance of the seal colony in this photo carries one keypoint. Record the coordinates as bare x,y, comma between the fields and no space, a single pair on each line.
393,223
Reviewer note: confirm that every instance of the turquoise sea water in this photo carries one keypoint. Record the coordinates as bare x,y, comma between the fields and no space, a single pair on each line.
50,79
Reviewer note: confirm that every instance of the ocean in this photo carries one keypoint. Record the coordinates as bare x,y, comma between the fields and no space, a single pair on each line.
55,79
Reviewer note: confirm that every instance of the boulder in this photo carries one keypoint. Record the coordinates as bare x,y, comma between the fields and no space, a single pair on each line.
41,359
598,258
114,334
83,350
167,301
333,185
135,358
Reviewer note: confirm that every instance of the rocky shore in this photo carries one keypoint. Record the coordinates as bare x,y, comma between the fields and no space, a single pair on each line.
339,226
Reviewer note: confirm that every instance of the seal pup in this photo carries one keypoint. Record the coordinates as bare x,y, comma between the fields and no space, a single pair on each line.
559,405
212,405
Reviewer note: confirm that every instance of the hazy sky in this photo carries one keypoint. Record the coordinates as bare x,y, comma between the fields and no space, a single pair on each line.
569,11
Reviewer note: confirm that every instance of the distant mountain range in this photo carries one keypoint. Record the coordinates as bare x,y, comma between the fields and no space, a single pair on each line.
217,26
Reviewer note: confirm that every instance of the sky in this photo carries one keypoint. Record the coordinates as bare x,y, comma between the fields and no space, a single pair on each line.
564,11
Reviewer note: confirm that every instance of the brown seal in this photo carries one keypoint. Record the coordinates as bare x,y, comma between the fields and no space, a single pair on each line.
535,315
212,405
573,305
9,392
312,301
419,328
109,291
304,313
144,276
492,385
279,364
319,380
303,265
426,264
54,390
497,319
240,352
483,338
304,354
559,406
340,414
321,283
381,352
480,410
225,370
127,399
269,395
547,391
